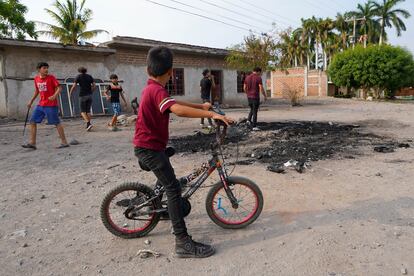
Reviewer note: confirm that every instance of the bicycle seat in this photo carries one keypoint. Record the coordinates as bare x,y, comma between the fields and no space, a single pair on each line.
169,151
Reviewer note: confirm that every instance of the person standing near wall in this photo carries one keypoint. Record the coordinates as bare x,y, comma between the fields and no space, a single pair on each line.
49,89
206,86
253,85
87,86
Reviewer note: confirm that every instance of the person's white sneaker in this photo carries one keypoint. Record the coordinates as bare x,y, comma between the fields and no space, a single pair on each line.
255,129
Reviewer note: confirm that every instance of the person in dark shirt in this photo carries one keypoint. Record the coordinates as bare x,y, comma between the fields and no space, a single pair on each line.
253,85
206,84
116,91
87,86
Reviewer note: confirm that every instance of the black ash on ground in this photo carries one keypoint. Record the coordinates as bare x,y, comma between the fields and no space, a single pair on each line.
279,142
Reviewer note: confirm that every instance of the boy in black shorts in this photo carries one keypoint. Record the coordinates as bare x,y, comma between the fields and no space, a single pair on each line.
87,86
116,92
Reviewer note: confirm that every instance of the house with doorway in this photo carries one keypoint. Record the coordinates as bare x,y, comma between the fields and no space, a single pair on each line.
124,56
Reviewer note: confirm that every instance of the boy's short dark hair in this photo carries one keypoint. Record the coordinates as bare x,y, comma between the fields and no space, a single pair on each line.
42,64
205,72
113,76
257,69
82,70
159,61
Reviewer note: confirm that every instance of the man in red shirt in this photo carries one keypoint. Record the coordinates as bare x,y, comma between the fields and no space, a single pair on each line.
48,87
253,85
151,138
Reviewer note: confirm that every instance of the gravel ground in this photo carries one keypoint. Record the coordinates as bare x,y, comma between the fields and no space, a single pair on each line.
350,213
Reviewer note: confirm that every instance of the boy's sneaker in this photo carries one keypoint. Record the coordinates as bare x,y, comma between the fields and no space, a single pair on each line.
88,126
202,125
255,129
187,248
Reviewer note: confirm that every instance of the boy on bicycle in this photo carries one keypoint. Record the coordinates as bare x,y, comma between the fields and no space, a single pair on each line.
151,138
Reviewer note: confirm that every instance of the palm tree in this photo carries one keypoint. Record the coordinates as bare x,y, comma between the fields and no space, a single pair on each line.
368,27
325,27
389,16
311,27
343,27
72,19
305,35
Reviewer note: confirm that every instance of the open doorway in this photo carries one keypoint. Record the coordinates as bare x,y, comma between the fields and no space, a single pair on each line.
217,92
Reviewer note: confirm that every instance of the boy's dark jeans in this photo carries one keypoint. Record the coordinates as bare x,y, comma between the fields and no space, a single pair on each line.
160,165
254,108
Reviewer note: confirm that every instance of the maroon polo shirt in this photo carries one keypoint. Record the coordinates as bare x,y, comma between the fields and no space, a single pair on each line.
252,82
151,129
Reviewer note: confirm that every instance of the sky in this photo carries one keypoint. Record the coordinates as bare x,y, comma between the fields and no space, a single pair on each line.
146,19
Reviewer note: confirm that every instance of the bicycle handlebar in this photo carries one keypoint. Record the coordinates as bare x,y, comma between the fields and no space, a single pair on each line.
221,128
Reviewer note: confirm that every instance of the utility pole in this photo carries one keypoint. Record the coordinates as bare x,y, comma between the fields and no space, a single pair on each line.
354,20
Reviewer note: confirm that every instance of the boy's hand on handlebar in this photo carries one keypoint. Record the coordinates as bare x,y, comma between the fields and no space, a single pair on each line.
206,106
224,119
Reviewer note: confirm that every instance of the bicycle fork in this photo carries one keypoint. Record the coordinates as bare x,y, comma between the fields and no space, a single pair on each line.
224,180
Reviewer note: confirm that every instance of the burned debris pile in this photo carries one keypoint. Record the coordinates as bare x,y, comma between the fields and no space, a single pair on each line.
292,144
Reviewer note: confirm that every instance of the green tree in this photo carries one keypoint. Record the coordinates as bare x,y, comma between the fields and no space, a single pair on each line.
72,19
376,69
12,21
343,28
390,16
370,26
256,50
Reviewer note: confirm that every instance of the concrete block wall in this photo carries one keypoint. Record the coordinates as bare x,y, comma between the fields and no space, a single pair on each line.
18,68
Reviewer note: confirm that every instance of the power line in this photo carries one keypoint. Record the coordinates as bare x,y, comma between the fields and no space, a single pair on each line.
332,6
283,22
272,13
235,12
315,5
229,18
340,4
202,16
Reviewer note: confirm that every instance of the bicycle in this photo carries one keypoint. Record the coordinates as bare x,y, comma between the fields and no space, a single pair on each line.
132,210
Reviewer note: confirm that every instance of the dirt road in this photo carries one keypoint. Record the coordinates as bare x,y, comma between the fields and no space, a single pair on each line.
342,216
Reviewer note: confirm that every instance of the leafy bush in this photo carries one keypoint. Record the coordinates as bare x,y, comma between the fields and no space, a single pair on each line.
376,69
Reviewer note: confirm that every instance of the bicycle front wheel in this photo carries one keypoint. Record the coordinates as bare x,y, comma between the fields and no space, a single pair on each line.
249,198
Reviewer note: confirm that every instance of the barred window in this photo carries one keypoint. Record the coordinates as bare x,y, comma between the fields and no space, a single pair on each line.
175,85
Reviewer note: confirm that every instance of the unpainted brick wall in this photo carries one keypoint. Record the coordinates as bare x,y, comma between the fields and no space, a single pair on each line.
297,78
405,92
293,78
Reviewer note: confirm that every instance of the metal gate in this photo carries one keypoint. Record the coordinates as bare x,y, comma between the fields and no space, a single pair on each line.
69,106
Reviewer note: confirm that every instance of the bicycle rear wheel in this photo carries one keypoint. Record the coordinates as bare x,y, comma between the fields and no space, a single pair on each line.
249,199
120,215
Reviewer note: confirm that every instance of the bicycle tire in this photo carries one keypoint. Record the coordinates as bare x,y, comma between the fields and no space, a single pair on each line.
120,231
218,218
